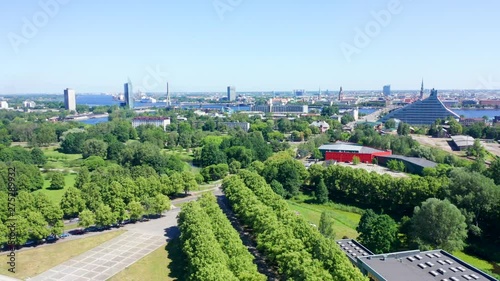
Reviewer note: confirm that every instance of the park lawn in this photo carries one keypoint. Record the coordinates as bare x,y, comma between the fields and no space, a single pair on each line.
56,195
154,266
183,155
345,222
32,262
491,268
58,160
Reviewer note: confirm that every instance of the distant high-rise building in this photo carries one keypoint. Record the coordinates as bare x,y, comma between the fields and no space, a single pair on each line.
341,94
128,93
169,103
299,93
387,90
422,90
69,99
231,93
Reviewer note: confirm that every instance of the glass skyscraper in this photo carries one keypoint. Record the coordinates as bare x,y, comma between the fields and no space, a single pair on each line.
128,95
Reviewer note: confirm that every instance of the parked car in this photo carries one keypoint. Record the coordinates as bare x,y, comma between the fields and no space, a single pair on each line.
29,243
64,235
92,228
77,231
51,238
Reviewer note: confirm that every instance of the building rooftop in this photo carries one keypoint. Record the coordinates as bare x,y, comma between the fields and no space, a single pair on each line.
435,265
414,160
463,140
353,249
151,118
348,147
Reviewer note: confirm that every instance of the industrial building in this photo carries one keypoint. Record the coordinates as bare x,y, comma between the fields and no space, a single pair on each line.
413,165
462,142
245,126
435,265
423,112
345,152
162,122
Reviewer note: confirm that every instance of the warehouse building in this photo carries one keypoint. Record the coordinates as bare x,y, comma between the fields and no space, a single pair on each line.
345,152
413,165
462,142
435,265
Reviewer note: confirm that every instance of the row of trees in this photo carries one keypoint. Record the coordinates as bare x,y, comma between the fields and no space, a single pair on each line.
283,232
115,193
235,255
36,217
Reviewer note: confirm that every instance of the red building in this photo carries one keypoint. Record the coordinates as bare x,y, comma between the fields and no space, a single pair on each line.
344,152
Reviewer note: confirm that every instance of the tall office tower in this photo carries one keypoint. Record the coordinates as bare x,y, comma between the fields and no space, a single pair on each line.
169,103
128,93
231,93
69,99
341,94
422,90
387,90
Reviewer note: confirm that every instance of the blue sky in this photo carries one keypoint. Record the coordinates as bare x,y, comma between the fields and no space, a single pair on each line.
255,45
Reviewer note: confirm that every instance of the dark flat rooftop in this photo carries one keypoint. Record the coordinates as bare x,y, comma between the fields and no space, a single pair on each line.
435,265
415,160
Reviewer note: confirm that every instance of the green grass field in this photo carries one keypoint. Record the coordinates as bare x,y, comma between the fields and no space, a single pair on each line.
491,268
56,195
58,160
345,222
35,261
152,267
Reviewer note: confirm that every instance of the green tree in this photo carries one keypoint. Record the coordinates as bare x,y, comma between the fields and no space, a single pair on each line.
73,143
104,216
82,177
234,167
72,202
277,187
160,204
403,129
476,150
326,225
439,224
188,182
390,124
57,181
493,171
321,192
211,155
38,157
356,160
94,147
136,210
37,225
377,232
87,218
94,162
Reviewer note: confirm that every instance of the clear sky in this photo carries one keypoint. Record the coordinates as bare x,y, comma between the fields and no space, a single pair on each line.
255,45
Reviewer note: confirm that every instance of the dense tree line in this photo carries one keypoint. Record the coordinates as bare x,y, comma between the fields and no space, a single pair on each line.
115,193
206,259
240,260
249,188
276,240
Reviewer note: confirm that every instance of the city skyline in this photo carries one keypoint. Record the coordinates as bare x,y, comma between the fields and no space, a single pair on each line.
273,46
